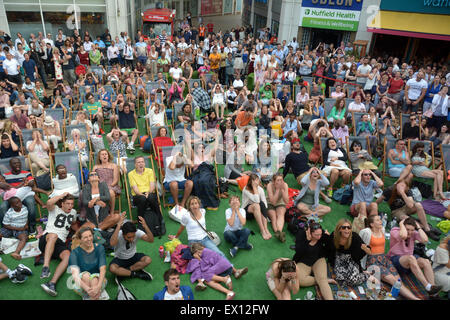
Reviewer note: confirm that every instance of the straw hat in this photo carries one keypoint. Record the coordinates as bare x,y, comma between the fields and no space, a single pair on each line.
49,121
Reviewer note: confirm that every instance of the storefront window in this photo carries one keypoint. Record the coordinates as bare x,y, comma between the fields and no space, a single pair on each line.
56,14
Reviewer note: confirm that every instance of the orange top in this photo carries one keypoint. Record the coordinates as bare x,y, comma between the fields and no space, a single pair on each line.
377,245
214,59
243,120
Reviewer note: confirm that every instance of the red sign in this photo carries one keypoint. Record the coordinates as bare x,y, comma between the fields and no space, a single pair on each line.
211,7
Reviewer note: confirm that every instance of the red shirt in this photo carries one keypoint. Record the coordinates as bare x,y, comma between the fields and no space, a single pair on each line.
395,85
21,122
84,58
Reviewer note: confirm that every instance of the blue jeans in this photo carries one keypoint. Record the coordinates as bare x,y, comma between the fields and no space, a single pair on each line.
28,202
13,97
238,238
208,244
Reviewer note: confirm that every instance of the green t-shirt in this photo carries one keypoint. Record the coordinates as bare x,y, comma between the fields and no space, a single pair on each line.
92,109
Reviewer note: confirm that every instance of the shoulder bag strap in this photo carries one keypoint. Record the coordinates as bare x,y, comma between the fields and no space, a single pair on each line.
207,232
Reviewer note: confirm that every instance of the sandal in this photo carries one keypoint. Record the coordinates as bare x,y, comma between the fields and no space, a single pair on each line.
200,286
230,295
228,283
240,272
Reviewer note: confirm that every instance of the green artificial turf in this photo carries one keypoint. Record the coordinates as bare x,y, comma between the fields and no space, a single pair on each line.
252,286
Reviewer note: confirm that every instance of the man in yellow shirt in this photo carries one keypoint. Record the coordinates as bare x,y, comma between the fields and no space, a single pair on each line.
143,187
214,59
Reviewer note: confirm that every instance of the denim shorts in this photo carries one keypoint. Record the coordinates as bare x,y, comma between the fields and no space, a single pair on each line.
7,233
181,185
396,262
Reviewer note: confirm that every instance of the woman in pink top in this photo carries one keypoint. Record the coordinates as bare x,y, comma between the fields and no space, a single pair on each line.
402,254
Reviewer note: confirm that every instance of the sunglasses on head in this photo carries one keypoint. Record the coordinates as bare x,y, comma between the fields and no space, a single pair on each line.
346,227
93,174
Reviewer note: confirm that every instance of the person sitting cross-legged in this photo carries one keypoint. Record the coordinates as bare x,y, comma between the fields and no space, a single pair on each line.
127,262
15,225
364,186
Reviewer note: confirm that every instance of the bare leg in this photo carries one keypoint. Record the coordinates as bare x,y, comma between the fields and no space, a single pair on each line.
22,242
174,191
187,191
62,266
404,291
334,175
425,265
280,217
109,222
410,262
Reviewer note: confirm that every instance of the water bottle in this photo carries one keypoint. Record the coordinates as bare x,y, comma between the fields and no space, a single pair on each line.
393,223
161,251
197,113
384,220
396,288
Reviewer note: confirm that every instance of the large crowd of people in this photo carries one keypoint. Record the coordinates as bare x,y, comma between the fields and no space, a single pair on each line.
237,98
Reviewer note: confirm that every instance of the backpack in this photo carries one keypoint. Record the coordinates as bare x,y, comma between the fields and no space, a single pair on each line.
123,293
147,145
155,223
295,220
344,195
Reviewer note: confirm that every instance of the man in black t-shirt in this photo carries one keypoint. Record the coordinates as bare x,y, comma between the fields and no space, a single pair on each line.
297,160
126,119
8,148
411,129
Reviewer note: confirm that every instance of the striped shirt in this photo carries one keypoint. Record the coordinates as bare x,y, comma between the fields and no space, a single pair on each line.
16,179
16,219
162,39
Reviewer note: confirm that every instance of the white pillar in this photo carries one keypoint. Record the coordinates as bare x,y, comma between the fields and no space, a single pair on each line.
252,15
289,20
269,15
4,25
181,9
369,10
117,17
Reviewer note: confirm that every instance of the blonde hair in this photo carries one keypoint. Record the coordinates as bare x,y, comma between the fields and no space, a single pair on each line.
337,234
196,246
189,200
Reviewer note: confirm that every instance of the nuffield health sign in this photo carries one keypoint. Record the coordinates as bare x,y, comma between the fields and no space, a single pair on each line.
331,14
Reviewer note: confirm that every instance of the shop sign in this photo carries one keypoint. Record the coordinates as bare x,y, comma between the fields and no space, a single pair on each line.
331,14
417,6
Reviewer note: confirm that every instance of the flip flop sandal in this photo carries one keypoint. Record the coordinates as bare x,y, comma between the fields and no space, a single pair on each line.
230,295
200,286
228,283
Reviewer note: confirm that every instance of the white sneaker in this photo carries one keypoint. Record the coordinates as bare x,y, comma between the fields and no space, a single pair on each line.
104,295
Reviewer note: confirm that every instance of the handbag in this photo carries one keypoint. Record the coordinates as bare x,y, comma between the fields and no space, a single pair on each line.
97,142
44,181
211,234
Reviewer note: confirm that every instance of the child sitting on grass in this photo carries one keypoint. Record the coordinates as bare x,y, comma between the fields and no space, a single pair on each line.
15,224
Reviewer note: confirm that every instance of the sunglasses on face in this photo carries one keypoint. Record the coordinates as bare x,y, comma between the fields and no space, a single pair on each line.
346,227
366,174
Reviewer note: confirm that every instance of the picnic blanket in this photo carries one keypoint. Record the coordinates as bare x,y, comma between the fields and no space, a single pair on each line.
408,280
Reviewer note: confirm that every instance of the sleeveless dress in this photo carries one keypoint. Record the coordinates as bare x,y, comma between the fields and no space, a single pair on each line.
314,155
107,175
418,170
